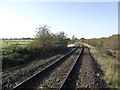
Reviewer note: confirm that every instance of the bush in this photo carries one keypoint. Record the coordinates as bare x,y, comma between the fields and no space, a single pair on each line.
18,56
109,53
46,44
47,40
23,55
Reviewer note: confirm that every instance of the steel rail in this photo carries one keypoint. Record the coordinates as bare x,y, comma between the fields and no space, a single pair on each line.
68,74
17,87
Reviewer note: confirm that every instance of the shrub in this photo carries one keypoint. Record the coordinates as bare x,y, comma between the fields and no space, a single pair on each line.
45,45
109,53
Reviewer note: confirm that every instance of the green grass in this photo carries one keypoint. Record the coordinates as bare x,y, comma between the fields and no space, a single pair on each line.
7,43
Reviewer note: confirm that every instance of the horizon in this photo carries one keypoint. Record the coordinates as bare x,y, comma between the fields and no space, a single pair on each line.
81,19
67,37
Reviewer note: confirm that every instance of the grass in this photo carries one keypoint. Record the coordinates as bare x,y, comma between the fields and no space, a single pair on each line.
109,62
109,65
7,43
105,51
108,42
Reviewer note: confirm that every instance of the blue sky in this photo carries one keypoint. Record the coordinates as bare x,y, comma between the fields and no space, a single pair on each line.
82,19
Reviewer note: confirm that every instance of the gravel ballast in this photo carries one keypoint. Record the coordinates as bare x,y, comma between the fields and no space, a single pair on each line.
85,74
56,77
90,74
14,77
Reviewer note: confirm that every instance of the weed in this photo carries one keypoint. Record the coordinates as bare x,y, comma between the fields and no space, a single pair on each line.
109,65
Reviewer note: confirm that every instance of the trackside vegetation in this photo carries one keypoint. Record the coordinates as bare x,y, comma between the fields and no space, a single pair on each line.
44,45
106,53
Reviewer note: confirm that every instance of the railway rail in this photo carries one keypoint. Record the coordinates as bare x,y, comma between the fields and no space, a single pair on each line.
58,75
43,75
63,85
14,77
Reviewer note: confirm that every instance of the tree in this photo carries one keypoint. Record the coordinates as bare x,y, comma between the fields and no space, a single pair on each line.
60,39
73,37
82,40
47,40
73,40
43,37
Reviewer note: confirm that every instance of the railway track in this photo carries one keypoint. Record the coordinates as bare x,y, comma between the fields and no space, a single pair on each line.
14,77
54,75
64,85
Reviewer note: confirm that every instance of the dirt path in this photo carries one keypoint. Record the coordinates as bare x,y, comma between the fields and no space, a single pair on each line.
90,74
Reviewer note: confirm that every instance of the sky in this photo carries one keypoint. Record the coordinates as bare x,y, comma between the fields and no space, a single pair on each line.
81,19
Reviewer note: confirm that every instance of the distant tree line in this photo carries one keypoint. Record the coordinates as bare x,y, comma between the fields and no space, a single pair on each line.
18,38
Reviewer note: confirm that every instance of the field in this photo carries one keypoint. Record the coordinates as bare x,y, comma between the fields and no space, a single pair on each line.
7,43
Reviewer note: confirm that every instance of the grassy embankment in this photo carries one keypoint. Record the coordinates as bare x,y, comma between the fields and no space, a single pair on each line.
105,52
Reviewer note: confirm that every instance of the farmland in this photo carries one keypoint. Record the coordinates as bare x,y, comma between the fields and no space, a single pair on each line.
7,43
